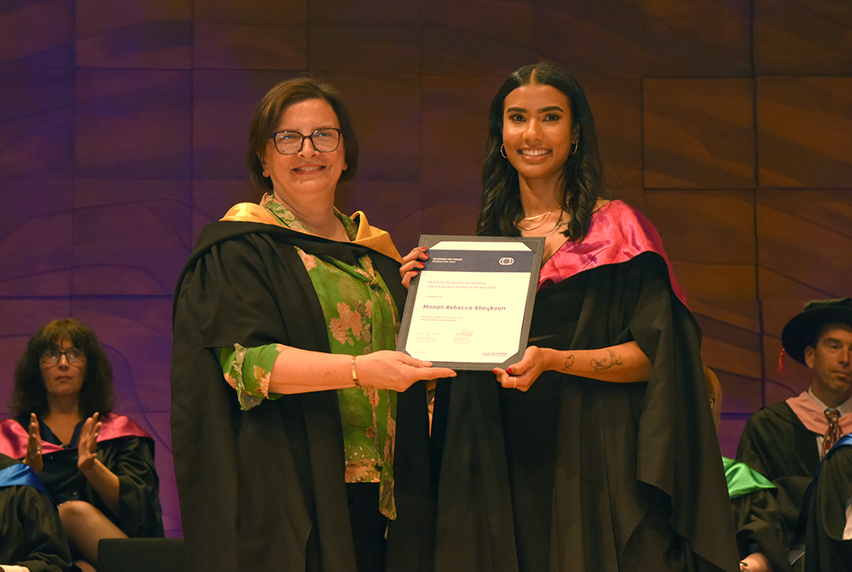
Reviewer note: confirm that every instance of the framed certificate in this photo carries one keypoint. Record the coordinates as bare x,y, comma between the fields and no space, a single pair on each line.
470,307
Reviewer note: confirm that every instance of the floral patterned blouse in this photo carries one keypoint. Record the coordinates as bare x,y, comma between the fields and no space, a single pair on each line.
361,318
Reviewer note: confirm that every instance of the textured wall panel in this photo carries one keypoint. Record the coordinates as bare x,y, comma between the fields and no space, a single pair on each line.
476,37
803,131
699,133
802,37
37,33
131,34
805,239
392,49
262,34
127,236
617,110
599,38
702,38
133,124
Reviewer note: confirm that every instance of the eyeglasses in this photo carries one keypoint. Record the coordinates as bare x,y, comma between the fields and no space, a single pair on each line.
290,142
74,356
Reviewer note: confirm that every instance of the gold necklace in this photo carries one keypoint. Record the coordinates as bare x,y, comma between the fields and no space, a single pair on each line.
539,225
539,215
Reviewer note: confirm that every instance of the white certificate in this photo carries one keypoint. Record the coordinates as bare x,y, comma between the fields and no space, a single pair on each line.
470,307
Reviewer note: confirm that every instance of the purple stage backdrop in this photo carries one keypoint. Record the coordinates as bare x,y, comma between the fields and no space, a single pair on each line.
123,125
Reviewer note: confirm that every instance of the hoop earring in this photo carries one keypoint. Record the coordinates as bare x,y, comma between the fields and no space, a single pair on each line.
503,150
574,148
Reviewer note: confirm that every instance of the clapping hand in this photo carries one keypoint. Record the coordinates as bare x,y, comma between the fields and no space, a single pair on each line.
86,445
33,458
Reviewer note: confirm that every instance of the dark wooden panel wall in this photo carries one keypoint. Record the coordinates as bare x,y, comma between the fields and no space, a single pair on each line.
123,125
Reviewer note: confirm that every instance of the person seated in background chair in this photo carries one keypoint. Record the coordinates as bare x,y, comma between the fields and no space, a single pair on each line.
828,538
97,466
31,536
785,441
757,521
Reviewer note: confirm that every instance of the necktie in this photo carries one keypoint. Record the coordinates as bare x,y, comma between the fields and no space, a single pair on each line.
832,434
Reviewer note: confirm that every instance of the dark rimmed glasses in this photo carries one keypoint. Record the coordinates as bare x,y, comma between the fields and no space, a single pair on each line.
75,356
324,140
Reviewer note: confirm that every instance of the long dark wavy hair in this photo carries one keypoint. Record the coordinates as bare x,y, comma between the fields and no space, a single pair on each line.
30,394
268,114
582,175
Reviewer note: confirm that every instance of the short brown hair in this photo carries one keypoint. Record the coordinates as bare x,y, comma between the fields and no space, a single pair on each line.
268,114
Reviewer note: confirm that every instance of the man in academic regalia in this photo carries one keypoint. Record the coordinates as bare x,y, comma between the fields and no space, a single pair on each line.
786,441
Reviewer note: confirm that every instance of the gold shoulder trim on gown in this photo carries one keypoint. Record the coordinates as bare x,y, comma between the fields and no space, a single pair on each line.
369,236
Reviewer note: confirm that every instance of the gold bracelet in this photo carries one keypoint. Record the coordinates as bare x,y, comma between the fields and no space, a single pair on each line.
355,374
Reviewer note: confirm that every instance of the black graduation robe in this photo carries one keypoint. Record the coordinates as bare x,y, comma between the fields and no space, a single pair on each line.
756,517
577,474
776,444
124,448
30,532
826,550
264,489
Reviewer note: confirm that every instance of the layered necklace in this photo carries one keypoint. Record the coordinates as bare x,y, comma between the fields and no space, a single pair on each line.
543,217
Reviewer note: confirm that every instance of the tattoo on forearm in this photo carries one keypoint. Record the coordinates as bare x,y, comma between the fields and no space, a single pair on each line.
606,363
569,361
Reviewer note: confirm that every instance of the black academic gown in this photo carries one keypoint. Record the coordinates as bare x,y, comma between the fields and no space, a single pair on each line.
756,517
577,474
826,550
30,532
123,447
264,489
776,444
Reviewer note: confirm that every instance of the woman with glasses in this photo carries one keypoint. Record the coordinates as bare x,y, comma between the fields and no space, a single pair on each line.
97,466
291,419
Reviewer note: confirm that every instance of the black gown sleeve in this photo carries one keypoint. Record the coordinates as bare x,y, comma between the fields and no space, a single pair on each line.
776,444
759,529
826,550
30,532
131,459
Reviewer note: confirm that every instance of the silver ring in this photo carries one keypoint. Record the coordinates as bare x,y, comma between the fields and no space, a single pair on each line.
514,383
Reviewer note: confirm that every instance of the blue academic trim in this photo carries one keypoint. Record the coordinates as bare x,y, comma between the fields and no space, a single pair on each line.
842,442
20,475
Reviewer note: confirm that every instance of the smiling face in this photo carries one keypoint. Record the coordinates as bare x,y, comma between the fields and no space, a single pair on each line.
308,172
829,359
62,379
538,132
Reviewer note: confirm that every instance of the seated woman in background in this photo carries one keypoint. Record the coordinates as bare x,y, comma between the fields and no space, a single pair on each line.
97,466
